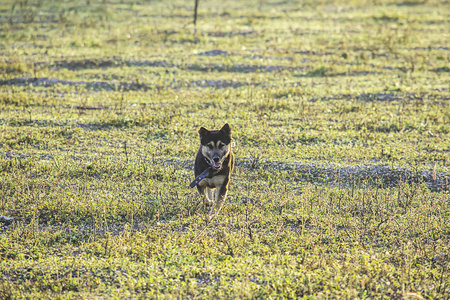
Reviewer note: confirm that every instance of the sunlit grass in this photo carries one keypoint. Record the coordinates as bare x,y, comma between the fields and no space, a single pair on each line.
341,123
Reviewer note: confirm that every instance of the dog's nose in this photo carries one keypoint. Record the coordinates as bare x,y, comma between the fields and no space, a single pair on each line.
216,159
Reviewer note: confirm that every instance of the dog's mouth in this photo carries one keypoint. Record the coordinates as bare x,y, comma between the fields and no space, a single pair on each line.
216,163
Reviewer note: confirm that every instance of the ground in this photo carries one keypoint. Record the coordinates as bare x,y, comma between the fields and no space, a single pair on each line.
340,115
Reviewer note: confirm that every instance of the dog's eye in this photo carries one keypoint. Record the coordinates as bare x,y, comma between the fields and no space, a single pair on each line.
210,146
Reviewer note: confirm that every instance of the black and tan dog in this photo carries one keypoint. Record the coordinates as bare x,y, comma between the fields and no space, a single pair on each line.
213,166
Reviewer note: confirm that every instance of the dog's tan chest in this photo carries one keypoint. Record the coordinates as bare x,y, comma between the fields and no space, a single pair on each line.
213,182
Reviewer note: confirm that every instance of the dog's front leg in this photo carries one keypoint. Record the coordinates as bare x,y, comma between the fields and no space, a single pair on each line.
209,195
206,193
220,196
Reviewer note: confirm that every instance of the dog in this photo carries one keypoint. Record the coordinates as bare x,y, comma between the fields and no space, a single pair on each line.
213,166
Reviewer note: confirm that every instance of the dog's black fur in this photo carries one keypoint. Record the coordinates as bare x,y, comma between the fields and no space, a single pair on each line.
215,153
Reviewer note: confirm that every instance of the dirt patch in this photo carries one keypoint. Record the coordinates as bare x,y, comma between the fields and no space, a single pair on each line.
239,68
104,63
208,67
124,86
390,97
95,85
213,53
345,174
231,33
442,70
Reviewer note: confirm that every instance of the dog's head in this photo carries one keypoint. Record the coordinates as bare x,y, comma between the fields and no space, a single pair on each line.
215,145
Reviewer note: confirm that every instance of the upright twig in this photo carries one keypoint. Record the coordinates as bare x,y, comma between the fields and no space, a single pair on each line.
195,16
125,147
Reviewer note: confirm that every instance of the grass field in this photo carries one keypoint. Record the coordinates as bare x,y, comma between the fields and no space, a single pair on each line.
341,124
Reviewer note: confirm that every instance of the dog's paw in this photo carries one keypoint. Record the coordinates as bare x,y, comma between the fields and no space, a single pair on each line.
208,203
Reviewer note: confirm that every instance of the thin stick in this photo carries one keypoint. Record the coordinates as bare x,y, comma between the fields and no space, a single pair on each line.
207,224
126,153
195,16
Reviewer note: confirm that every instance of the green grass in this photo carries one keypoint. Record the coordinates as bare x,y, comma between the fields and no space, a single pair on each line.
341,124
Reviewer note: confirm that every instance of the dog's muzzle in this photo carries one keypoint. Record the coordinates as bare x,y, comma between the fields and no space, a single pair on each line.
216,162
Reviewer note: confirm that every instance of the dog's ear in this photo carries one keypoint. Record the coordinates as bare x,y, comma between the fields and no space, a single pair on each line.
226,129
202,132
